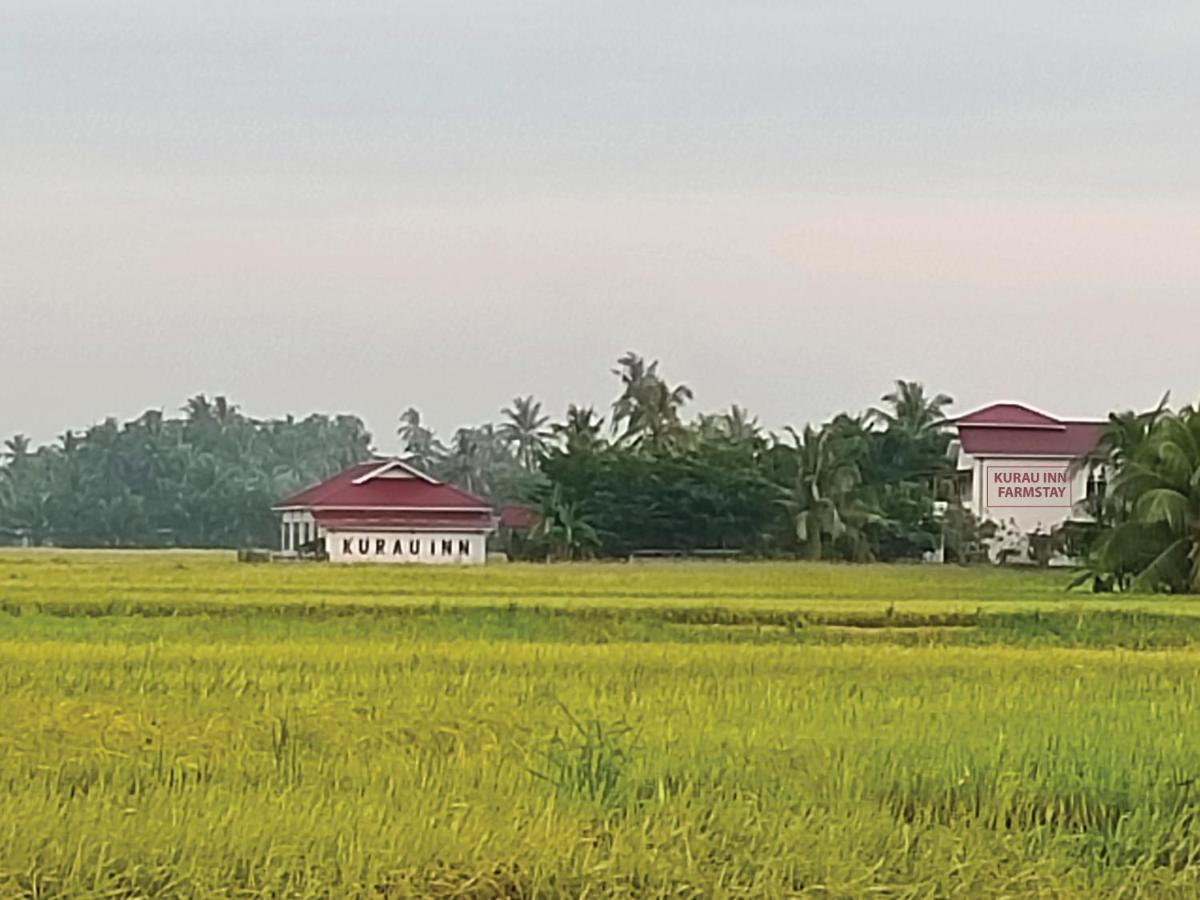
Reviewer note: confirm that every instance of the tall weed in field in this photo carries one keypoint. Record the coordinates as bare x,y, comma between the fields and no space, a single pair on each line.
591,760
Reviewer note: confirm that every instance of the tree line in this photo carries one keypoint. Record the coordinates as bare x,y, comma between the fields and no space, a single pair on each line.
206,478
644,474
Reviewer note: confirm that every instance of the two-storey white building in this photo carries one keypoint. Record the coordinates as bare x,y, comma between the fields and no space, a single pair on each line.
1026,471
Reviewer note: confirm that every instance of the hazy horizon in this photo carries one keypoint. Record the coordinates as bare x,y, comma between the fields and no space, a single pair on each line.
317,207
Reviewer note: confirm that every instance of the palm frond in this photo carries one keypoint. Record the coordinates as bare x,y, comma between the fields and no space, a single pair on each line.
1168,570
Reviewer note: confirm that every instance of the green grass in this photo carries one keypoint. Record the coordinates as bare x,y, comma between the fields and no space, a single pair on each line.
180,725
179,582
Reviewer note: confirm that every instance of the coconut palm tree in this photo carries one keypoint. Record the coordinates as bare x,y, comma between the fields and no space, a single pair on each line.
634,371
464,463
648,408
1126,432
223,411
581,432
69,442
7,494
16,448
659,424
821,500
1124,435
421,445
734,427
476,460
636,377
912,411
526,430
351,438
739,426
1161,482
914,442
198,408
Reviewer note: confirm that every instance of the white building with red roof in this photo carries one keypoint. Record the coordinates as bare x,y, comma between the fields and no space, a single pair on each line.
1026,471
386,511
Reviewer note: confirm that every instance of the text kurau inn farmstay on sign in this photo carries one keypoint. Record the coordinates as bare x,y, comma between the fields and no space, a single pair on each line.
1028,485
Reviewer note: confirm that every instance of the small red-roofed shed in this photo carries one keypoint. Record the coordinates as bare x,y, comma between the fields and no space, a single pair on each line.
386,510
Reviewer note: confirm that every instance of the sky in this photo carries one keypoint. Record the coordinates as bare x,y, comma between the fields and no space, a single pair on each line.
365,206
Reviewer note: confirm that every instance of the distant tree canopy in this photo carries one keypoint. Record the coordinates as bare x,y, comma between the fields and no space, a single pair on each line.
857,488
643,476
205,479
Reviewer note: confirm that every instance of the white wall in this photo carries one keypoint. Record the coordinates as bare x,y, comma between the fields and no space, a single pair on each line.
297,527
1018,517
426,547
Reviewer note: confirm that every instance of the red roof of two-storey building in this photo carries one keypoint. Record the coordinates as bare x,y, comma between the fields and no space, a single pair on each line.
1010,429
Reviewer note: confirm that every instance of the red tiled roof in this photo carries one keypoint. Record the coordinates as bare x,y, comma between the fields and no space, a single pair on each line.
1009,429
1010,415
354,490
375,520
513,515
1076,439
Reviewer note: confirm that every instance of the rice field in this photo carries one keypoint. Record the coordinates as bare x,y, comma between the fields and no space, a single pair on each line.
179,725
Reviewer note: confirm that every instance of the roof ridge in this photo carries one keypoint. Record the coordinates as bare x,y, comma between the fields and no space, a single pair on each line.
349,489
1033,411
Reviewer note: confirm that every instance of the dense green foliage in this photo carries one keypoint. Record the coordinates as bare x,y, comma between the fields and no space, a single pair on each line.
1149,522
178,725
858,488
649,479
205,479
711,496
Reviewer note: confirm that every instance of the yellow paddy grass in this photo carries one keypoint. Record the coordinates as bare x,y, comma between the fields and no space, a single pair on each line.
180,725
197,581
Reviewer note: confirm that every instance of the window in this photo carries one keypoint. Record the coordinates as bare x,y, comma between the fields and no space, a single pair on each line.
1097,483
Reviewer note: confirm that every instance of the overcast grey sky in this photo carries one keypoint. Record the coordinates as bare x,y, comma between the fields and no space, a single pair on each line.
345,206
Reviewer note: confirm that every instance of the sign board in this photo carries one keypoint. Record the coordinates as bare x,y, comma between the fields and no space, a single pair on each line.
456,548
399,546
1028,485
